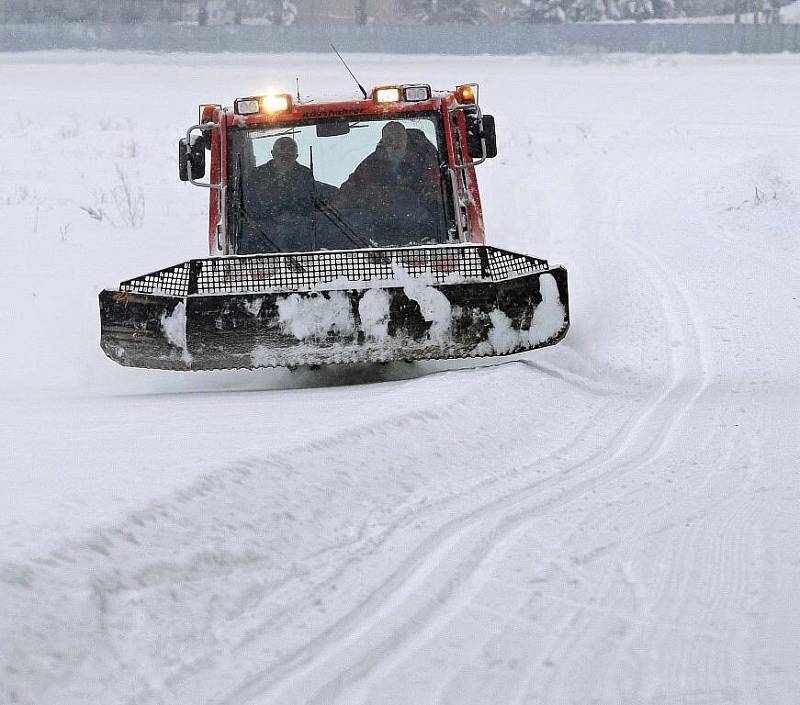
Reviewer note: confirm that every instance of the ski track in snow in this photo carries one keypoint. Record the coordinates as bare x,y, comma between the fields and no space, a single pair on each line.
612,520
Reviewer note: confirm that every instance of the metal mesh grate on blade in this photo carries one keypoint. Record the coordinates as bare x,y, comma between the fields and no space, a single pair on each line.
306,270
173,281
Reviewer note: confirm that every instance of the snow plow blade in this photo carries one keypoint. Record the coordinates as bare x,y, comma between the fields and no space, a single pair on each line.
318,308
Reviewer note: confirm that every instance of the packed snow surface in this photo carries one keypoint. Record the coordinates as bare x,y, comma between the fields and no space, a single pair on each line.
610,521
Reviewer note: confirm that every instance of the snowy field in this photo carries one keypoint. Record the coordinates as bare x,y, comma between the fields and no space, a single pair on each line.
612,521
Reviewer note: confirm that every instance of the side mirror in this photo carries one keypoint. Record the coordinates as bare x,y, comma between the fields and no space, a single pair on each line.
332,129
477,128
192,158
489,136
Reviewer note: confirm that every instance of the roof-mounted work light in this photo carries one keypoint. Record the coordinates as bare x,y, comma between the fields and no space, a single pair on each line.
276,103
414,94
387,94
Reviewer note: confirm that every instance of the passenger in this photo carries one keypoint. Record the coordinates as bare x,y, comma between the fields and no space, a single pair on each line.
398,178
281,188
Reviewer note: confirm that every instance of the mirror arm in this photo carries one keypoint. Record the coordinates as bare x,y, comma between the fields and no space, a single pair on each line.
222,227
194,128
483,157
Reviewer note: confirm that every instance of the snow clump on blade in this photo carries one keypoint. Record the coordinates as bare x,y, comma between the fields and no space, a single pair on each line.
549,318
316,315
502,336
174,327
433,304
373,309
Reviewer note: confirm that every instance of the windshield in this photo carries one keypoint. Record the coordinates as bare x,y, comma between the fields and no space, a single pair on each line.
337,185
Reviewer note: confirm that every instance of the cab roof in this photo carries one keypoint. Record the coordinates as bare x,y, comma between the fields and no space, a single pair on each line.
282,108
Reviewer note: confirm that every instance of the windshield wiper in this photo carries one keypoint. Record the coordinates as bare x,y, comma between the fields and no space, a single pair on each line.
274,135
330,213
336,218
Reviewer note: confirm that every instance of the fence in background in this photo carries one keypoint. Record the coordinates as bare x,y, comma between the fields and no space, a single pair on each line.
436,39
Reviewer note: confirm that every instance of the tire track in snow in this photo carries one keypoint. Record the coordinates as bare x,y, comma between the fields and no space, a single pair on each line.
719,571
406,577
680,394
208,543
357,551
722,577
460,589
699,378
689,377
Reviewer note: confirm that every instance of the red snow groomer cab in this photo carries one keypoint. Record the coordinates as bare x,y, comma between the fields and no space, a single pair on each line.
339,231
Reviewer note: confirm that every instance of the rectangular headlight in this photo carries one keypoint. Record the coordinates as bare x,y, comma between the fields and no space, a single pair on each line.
416,93
387,95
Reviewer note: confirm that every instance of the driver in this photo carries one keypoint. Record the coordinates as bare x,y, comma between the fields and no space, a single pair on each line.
401,174
282,188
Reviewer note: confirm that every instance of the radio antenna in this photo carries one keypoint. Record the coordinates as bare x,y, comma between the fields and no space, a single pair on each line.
349,71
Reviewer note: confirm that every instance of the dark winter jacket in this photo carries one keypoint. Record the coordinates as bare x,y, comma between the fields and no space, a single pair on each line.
380,182
270,194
